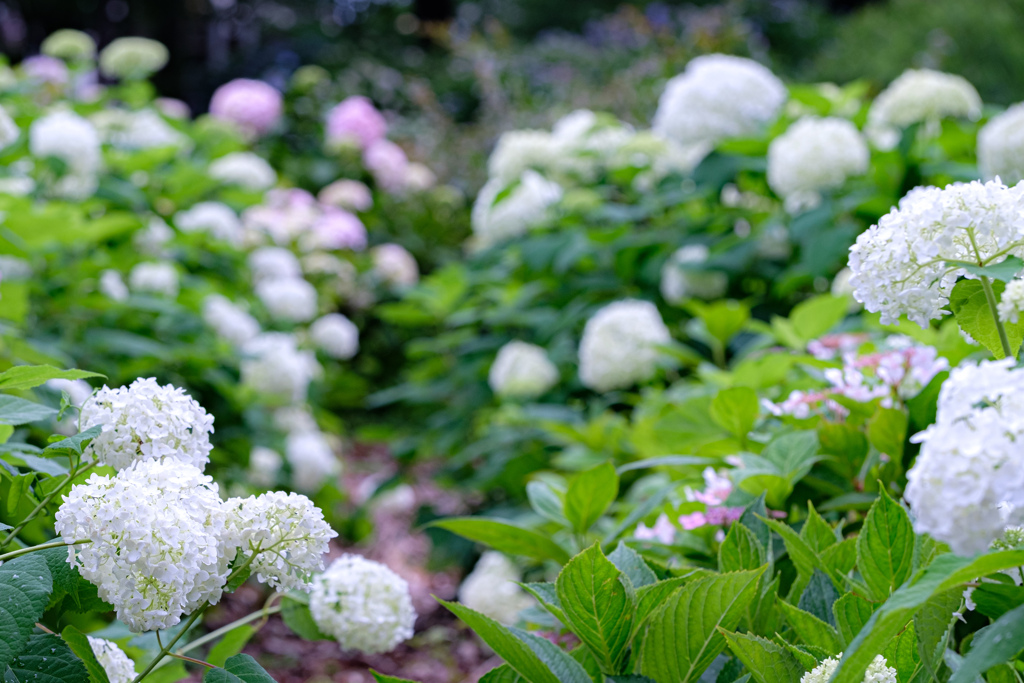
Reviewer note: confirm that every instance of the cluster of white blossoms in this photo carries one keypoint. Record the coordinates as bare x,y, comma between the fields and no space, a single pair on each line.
517,210
1011,303
213,218
619,345
311,458
684,276
393,264
72,139
920,95
492,589
877,672
154,277
967,484
268,263
1001,146
273,364
363,604
335,335
132,58
815,154
900,266
116,664
290,299
228,320
518,151
144,129
717,97
9,130
522,370
245,169
146,421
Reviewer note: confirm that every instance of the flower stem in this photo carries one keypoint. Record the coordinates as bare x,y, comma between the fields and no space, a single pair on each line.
42,546
213,635
167,648
990,296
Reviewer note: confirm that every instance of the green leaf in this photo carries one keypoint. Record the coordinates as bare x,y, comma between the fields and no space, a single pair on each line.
740,550
932,624
590,494
547,595
18,411
802,555
633,566
887,430
296,616
599,604
996,599
885,547
996,643
230,644
25,586
70,590
562,664
501,674
74,444
812,318
811,629
28,376
79,644
767,662
816,532
735,410
684,637
46,659
506,537
649,598
753,518
518,653
851,613
381,678
1004,271
546,502
819,596
969,305
238,669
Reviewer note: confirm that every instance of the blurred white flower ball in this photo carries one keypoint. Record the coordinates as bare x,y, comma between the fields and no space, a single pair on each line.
395,265
492,589
522,370
216,219
229,321
289,299
335,335
816,154
132,58
312,460
683,276
619,345
154,277
272,364
1001,146
525,206
112,285
245,169
920,95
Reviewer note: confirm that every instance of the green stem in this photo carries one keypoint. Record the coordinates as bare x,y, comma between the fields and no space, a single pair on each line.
213,635
43,503
167,648
990,296
43,546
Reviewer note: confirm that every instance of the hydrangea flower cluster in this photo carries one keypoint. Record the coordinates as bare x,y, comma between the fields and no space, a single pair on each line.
966,485
146,421
619,345
355,121
522,370
335,335
528,203
213,218
289,299
273,364
70,45
1001,146
133,58
901,266
245,169
310,457
229,321
351,195
394,265
492,589
363,604
144,129
683,276
717,97
920,95
155,277
1011,302
877,672
815,154
72,139
118,667
254,106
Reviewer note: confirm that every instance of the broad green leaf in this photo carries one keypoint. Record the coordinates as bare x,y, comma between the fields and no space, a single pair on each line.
501,674
812,318
735,410
650,598
887,430
811,629
516,652
803,556
547,595
70,590
599,603
561,663
546,502
46,659
230,644
722,319
78,642
840,559
25,586
933,624
851,613
28,376
740,550
753,518
633,566
969,305
684,637
238,669
74,444
1005,271
816,532
506,537
381,678
296,616
767,662
590,494
996,599
996,643
18,411
885,547
819,596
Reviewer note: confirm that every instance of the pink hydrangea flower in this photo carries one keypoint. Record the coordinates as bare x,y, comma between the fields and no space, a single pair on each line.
663,531
338,229
46,69
254,106
347,194
716,488
694,520
355,120
388,164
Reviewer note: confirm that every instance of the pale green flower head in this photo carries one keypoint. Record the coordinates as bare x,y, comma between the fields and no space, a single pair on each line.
133,58
70,45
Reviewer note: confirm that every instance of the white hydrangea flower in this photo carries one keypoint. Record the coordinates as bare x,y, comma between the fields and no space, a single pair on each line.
214,218
1001,146
155,277
272,364
72,139
153,239
363,604
78,390
877,671
920,95
244,169
146,421
311,459
264,466
717,97
229,321
492,589
295,419
286,533
14,269
518,151
1012,302
347,194
112,285
133,130
526,206
69,44
816,154
133,58
290,299
967,484
335,335
9,131
899,266
118,667
618,348
395,265
155,532
574,126
522,370
275,263
683,277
